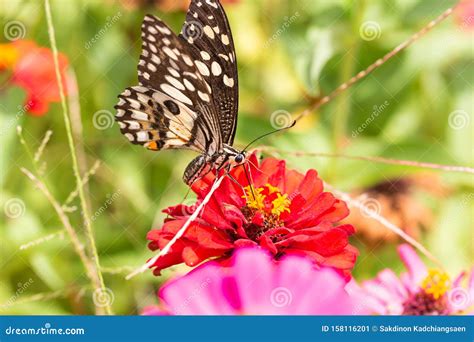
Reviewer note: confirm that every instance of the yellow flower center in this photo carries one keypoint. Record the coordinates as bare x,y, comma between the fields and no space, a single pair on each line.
281,204
268,199
436,283
255,198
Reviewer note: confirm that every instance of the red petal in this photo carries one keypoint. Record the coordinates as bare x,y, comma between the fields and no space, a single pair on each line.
267,243
244,243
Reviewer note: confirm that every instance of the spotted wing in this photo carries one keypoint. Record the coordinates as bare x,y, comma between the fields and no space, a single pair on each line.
207,30
155,120
172,107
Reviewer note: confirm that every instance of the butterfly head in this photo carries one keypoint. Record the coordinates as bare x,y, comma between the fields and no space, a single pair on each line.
238,158
234,156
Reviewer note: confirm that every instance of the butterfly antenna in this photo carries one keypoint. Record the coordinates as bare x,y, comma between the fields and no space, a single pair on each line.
267,134
249,182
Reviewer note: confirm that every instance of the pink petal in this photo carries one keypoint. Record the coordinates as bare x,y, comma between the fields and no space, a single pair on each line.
415,266
198,293
291,291
390,280
253,271
365,304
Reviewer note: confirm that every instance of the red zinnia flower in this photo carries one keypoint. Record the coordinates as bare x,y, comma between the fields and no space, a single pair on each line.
284,212
33,70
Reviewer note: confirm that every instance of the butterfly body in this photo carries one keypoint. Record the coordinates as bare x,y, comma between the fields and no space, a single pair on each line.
204,164
187,97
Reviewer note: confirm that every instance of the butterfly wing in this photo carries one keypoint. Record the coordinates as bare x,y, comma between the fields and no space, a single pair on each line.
207,31
171,108
155,120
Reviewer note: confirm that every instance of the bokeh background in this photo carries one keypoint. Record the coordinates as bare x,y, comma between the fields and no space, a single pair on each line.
418,106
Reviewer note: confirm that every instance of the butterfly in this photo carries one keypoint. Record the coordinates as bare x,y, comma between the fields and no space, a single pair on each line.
187,97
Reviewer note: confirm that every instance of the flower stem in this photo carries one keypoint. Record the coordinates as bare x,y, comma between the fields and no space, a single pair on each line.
76,242
99,285
375,159
378,63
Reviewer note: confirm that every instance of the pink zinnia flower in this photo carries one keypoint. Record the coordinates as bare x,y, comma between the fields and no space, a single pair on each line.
255,284
419,291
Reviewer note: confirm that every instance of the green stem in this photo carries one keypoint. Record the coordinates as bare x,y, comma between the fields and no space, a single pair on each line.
99,285
348,69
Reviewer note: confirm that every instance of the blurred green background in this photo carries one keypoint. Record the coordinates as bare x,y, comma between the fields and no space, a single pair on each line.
290,52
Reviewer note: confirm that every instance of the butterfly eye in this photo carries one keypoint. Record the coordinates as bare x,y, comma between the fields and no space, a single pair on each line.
239,158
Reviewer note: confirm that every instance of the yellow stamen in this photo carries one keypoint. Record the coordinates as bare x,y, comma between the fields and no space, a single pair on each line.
254,198
272,189
281,204
436,283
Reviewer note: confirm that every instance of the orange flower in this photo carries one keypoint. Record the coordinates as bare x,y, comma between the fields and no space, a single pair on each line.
33,70
8,56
